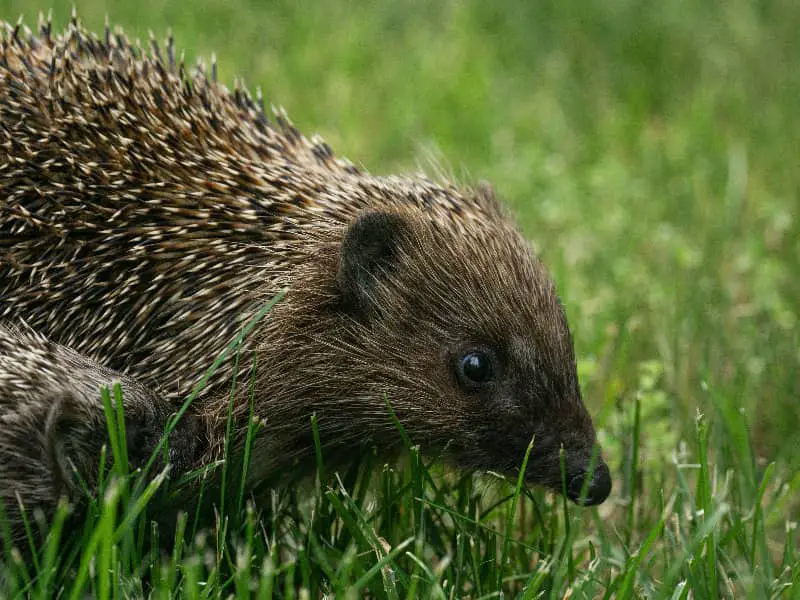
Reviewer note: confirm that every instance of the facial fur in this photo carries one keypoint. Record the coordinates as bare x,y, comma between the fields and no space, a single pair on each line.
409,299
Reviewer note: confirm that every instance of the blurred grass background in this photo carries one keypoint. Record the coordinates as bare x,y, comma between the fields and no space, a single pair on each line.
649,148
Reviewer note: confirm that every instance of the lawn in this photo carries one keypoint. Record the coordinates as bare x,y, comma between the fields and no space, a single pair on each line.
651,152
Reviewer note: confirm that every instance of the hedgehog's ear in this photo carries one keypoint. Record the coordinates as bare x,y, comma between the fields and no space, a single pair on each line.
368,254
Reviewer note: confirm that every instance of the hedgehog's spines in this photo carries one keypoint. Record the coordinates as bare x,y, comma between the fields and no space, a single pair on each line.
145,73
46,27
112,57
116,68
155,49
159,65
286,125
52,73
15,33
28,66
119,40
243,97
205,101
260,100
79,41
251,104
30,38
171,51
237,93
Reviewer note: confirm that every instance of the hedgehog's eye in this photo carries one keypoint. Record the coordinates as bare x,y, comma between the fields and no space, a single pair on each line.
475,367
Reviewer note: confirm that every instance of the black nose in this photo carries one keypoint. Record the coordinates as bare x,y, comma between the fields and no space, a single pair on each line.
598,490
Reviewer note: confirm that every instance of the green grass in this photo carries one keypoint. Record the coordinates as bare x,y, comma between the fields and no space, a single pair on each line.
650,150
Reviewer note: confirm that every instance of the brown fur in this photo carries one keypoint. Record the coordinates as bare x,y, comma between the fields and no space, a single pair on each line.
146,216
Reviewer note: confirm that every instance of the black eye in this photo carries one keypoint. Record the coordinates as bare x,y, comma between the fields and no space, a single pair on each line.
476,367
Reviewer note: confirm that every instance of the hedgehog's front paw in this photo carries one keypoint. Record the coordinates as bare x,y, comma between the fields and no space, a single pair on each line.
74,435
145,437
184,443
76,430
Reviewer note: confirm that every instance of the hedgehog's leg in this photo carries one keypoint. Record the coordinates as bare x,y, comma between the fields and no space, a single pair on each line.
53,425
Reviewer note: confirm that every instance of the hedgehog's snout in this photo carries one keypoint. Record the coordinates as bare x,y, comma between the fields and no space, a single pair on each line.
598,489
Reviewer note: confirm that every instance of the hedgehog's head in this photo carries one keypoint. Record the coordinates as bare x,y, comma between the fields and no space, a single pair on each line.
454,321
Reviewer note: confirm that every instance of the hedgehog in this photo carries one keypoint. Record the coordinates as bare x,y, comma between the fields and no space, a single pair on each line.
148,213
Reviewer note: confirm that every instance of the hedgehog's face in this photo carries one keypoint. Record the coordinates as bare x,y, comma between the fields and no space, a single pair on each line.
474,350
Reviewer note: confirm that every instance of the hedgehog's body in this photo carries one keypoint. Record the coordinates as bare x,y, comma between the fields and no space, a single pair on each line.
145,218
